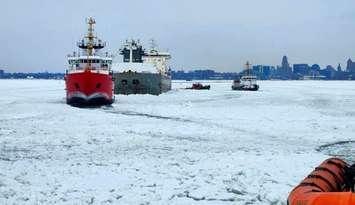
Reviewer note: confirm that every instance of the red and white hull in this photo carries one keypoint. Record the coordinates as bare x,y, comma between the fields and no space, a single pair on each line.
89,87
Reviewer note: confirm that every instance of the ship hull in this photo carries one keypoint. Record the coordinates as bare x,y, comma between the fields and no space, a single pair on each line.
253,88
141,83
89,88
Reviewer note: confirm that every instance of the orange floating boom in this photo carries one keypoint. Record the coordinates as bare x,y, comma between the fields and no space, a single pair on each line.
326,185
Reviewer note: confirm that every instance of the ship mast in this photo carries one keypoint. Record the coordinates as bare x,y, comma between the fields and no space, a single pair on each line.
153,45
247,65
90,36
90,42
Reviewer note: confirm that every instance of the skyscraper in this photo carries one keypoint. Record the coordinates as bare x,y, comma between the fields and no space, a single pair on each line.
301,69
350,66
285,63
285,71
339,68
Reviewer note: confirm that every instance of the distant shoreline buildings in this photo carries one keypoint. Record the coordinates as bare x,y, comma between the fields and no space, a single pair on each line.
263,72
39,75
283,72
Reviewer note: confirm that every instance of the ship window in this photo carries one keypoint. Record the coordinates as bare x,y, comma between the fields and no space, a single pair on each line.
135,81
124,82
85,61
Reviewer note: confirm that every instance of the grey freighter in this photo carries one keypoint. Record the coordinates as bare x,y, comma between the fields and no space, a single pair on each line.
142,72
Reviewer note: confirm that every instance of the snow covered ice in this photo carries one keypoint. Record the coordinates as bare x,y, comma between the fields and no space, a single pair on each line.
182,147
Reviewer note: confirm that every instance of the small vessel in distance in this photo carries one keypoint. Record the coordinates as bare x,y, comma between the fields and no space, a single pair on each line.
199,86
246,82
88,79
142,72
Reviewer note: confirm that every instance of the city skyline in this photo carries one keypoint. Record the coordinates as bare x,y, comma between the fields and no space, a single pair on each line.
38,35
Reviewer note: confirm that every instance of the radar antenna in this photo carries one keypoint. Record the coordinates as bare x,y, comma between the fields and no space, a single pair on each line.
247,66
90,42
153,44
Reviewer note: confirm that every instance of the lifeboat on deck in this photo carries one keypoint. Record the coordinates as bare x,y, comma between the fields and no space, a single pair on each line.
331,183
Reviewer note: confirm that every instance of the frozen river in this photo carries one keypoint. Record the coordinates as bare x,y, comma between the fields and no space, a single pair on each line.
182,147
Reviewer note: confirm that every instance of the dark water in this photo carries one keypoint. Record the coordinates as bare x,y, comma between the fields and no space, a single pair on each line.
342,149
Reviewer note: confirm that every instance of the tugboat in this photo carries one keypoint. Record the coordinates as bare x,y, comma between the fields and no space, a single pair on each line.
199,86
142,72
246,82
88,78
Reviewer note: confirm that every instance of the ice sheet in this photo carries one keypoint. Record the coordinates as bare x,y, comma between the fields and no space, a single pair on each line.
213,146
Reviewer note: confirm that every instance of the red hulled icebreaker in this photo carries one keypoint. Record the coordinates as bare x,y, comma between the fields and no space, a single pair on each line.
88,78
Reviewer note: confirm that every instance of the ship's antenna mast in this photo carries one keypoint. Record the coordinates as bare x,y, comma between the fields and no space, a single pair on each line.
247,65
153,44
90,35
131,51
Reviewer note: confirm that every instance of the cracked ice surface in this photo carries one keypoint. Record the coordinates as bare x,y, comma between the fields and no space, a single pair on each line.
182,147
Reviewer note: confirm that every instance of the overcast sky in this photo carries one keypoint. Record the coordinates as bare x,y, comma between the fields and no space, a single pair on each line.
36,35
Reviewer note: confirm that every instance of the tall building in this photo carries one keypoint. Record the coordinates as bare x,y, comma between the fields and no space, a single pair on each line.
285,63
285,70
339,68
329,72
350,66
263,72
301,69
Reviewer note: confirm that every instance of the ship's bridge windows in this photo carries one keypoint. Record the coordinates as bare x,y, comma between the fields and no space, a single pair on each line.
72,62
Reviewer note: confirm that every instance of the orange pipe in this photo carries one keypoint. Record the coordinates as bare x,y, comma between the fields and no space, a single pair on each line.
323,186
